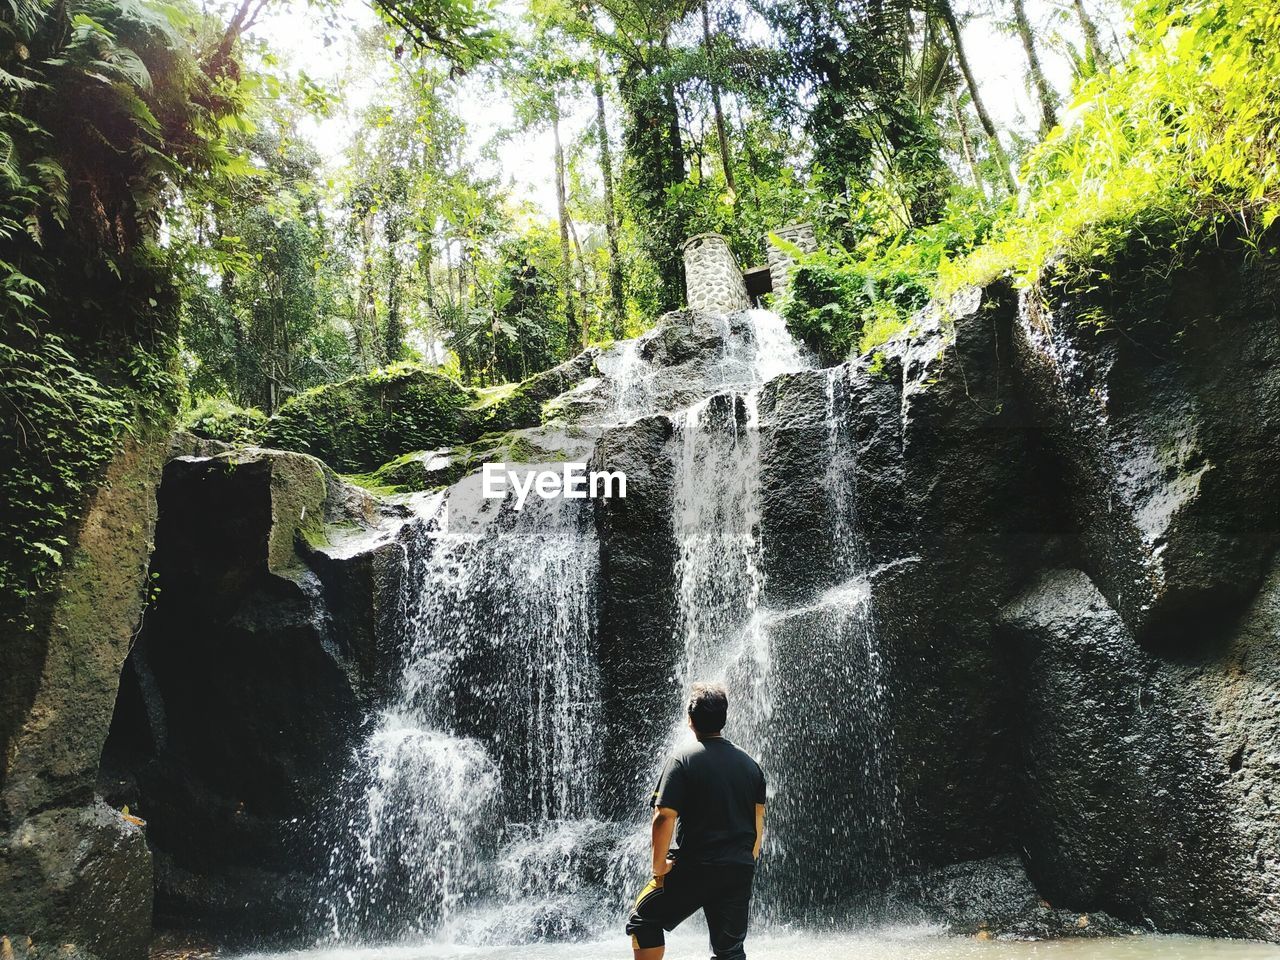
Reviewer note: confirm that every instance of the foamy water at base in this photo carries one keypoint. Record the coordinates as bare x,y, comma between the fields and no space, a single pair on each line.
891,943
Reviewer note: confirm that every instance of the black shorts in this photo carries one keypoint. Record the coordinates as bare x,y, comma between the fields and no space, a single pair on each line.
723,893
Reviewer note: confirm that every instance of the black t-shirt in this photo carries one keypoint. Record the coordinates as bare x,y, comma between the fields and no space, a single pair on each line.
714,787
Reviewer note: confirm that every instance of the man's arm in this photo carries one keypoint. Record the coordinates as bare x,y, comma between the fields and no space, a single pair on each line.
755,850
664,824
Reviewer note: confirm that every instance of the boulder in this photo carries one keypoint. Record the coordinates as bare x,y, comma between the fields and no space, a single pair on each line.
71,871
264,650
60,681
437,469
521,405
78,876
358,424
1145,787
1159,392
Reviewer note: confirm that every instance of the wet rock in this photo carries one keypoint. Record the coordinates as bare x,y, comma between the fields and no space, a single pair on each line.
953,518
639,648
995,900
78,876
688,356
1162,413
266,644
1134,788
819,754
799,499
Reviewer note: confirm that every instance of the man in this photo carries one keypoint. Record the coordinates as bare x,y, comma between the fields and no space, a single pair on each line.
712,795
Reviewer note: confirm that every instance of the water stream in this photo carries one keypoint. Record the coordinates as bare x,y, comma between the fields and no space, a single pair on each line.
473,827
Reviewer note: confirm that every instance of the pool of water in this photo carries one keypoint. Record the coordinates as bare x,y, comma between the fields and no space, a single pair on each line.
889,943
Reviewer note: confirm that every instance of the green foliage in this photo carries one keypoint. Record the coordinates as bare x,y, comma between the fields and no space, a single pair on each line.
868,105
362,422
217,418
67,424
103,112
851,300
259,315
1181,140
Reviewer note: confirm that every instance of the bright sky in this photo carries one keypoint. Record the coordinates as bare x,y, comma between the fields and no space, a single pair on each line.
295,32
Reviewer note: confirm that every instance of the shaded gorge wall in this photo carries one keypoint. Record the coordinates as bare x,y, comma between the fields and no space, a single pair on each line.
995,613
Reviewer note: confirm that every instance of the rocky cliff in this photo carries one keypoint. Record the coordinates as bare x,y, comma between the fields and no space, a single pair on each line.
1065,504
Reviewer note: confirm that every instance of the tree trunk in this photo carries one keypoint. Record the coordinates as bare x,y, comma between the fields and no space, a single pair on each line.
753,164
585,287
675,143
1048,99
573,336
988,127
616,294
1092,41
366,312
963,125
722,133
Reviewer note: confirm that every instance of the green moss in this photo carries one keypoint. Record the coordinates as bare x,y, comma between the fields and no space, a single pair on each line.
434,469
1181,139
217,418
487,397
361,423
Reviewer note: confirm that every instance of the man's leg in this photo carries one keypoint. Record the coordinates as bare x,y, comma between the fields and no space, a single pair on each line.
727,906
663,904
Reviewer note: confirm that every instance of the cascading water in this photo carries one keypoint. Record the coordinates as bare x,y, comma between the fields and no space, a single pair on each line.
474,813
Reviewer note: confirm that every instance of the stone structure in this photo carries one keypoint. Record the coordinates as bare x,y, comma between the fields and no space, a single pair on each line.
713,280
798,234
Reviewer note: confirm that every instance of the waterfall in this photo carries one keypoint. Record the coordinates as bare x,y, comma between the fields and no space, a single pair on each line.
473,813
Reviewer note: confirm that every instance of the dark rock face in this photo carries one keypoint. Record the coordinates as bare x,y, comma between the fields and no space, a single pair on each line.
995,900
796,525
953,521
238,709
79,875
637,606
1162,417
63,857
1134,772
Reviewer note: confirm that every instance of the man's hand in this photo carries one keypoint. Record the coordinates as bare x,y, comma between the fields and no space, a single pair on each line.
755,848
664,824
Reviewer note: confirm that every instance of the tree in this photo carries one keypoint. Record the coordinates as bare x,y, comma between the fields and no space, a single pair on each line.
1044,92
864,123
616,293
947,13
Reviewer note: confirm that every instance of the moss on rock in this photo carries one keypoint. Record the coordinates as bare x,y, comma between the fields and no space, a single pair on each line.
433,469
360,423
521,406
216,418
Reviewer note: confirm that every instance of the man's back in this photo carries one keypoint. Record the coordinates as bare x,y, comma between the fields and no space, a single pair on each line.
714,787
711,797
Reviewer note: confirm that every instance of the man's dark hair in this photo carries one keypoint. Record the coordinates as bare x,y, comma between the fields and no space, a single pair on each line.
708,707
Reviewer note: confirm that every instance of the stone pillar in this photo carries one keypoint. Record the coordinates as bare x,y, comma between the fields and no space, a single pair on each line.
780,262
712,278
